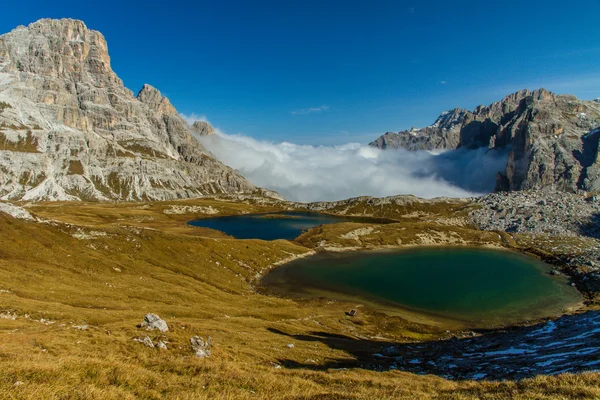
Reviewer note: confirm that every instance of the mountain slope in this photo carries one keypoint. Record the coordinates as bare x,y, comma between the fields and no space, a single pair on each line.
70,130
553,139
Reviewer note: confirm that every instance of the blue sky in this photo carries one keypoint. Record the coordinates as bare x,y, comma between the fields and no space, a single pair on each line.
332,72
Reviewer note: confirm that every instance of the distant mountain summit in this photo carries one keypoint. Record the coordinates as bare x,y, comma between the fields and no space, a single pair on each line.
70,130
553,139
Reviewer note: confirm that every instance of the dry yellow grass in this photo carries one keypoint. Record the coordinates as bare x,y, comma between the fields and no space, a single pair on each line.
106,265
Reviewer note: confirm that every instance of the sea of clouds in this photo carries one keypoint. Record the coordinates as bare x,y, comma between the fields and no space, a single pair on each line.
326,173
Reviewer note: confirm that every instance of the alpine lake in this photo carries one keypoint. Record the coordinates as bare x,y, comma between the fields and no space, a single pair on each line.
454,286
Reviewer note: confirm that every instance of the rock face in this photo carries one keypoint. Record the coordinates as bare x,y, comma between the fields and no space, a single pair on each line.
443,134
553,139
70,130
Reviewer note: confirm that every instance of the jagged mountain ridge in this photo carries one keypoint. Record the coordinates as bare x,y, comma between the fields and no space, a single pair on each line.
553,139
70,130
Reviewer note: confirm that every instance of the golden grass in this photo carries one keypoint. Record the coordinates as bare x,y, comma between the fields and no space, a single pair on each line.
106,265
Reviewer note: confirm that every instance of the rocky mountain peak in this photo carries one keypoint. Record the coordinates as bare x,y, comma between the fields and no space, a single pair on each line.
448,119
553,139
62,49
202,128
70,130
152,97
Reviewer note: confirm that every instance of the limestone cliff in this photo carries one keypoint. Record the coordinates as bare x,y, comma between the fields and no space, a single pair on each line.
553,139
70,130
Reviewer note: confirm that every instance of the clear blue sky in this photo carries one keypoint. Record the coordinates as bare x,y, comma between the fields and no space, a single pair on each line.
325,72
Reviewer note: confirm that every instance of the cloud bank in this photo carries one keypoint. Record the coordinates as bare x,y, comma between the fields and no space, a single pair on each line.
309,173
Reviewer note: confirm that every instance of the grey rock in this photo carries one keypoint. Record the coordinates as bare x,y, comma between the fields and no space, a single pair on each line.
537,212
145,341
161,345
553,139
443,134
200,347
202,128
153,321
70,130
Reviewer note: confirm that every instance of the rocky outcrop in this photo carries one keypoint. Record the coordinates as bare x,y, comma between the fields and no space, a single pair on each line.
70,130
202,128
553,139
153,321
201,347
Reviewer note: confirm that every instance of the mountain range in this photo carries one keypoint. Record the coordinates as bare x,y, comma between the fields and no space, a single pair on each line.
552,139
70,130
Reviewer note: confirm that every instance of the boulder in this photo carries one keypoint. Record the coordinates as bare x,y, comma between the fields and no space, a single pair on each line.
200,347
145,341
153,321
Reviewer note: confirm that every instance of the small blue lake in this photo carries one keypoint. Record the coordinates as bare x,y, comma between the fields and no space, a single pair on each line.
272,226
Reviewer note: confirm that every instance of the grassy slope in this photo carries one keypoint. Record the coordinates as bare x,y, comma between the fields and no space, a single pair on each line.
130,259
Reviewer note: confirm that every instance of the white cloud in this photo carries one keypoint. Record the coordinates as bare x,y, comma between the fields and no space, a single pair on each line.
191,118
443,83
310,110
310,173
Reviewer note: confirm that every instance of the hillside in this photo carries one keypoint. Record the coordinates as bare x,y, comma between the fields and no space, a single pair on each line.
76,283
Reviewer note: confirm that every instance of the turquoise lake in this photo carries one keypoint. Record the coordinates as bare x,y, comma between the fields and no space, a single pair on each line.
476,286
